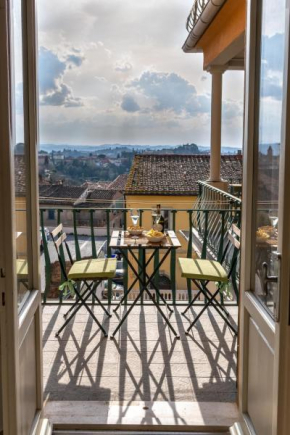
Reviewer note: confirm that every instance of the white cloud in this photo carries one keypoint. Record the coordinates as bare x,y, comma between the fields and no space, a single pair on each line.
115,72
171,92
123,66
129,104
53,90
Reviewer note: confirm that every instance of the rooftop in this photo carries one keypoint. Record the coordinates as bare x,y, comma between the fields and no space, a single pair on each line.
97,184
177,174
19,170
97,198
59,194
119,183
81,196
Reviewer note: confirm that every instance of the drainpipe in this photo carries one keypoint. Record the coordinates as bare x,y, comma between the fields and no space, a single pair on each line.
204,20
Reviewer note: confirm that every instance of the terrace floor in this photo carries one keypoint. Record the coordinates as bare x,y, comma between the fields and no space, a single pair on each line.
144,375
144,363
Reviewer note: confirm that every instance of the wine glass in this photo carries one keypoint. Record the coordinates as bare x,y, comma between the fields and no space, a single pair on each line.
156,216
273,220
134,213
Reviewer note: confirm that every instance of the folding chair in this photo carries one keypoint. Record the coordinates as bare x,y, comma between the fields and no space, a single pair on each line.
22,271
91,272
202,272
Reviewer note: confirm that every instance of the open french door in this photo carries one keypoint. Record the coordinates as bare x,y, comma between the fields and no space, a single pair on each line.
265,273
20,302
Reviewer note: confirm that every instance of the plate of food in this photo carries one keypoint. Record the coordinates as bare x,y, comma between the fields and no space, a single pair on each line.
262,235
154,236
135,230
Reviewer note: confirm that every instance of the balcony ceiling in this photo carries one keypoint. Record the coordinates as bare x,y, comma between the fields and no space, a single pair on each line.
219,33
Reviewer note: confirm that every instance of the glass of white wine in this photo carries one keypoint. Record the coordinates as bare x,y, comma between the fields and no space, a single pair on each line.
135,215
274,220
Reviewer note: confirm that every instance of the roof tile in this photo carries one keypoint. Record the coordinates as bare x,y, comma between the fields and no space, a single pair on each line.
177,174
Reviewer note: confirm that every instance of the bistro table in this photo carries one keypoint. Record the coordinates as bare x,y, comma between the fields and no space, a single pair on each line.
126,244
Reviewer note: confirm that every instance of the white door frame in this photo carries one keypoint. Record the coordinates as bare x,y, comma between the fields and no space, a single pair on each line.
13,325
276,333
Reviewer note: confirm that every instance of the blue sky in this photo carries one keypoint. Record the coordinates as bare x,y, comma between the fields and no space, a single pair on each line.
114,72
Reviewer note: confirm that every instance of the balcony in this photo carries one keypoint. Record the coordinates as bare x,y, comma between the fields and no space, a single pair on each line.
144,366
196,11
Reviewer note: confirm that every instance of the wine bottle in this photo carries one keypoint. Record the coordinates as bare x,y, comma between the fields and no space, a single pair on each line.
161,219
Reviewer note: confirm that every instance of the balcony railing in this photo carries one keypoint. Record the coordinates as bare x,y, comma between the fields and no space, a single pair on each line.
216,209
208,221
196,11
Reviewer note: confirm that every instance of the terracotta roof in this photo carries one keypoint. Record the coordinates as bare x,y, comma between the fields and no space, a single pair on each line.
94,199
119,183
59,194
76,196
19,172
97,184
102,194
153,174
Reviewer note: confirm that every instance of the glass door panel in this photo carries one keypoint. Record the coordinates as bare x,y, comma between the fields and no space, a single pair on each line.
20,157
268,152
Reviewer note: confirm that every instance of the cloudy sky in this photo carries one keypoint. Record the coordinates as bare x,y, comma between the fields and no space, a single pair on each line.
113,71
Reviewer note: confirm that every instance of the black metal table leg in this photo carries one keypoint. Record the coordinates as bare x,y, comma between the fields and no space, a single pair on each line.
138,277
162,314
127,314
145,279
150,278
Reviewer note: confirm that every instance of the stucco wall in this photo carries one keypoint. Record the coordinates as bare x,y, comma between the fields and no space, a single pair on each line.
182,223
228,26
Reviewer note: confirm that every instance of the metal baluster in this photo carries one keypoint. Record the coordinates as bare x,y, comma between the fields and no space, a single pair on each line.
61,253
189,253
222,234
93,242
77,247
108,254
173,261
200,188
156,277
46,258
125,264
140,257
205,235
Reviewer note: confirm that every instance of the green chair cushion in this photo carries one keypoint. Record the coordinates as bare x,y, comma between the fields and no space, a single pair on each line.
202,270
93,268
21,268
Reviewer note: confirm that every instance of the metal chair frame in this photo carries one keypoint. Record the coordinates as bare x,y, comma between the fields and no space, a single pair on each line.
59,238
201,284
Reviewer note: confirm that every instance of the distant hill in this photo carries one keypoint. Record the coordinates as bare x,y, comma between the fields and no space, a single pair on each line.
105,148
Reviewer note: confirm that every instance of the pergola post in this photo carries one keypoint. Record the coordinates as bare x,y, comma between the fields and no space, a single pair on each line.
216,126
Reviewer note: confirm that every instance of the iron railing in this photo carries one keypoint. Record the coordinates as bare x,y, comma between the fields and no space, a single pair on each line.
216,209
212,215
196,11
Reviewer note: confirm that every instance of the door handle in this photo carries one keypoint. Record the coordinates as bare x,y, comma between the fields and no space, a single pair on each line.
268,278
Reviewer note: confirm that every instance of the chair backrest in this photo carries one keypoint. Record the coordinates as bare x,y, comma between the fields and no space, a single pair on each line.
59,237
232,249
237,232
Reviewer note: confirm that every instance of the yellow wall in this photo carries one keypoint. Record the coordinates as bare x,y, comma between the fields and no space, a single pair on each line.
228,26
182,223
